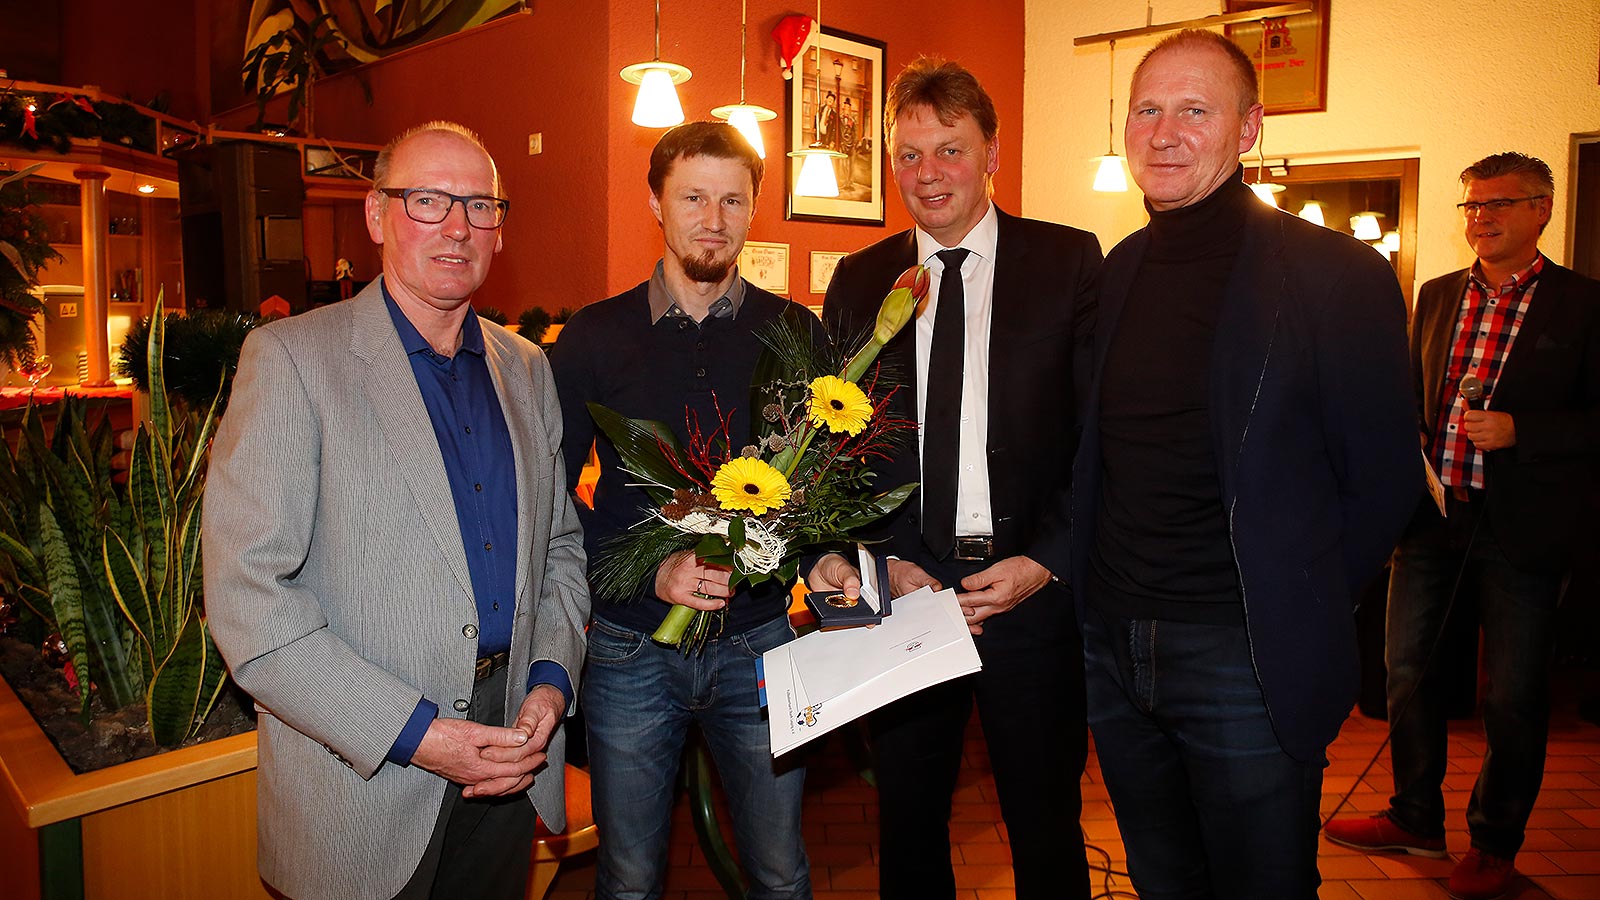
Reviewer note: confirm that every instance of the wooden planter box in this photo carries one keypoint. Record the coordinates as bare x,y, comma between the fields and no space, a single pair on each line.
176,826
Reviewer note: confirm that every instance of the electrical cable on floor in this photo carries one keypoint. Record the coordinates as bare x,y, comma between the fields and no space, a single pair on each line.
1109,891
1427,665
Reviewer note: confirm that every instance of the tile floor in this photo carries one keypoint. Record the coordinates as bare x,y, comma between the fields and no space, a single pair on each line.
1560,861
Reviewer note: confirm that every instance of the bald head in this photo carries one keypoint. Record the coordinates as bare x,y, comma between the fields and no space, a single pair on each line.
430,133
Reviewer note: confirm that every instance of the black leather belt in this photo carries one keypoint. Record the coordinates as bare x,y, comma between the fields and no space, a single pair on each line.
974,548
488,665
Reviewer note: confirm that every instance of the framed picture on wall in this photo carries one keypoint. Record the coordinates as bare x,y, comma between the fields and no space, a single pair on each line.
823,262
1294,76
765,265
846,118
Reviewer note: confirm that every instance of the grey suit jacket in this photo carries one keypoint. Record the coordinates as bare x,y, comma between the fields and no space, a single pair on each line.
338,590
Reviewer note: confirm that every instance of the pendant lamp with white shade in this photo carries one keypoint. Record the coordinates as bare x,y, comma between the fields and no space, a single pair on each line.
657,105
746,116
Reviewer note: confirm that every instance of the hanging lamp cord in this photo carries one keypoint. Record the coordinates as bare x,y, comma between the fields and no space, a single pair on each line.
1261,139
1111,102
744,28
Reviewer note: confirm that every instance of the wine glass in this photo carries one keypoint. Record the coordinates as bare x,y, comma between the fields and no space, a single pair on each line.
35,370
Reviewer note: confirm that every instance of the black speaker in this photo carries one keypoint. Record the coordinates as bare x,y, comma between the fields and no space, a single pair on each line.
241,204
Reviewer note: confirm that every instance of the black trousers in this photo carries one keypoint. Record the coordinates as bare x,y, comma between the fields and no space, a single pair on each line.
481,847
1030,700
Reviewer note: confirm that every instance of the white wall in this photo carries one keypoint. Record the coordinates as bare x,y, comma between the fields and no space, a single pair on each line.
1449,81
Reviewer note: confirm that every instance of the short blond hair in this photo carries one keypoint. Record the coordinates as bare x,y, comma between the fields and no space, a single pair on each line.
1244,71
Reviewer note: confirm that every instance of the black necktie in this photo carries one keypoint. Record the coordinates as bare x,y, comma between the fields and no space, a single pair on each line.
941,421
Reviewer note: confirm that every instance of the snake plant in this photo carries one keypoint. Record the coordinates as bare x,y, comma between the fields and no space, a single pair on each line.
119,573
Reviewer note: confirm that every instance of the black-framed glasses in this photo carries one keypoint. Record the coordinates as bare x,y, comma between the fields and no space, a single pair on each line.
1497,205
430,207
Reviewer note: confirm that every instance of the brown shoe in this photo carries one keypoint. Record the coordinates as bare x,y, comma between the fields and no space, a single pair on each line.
1481,876
1380,832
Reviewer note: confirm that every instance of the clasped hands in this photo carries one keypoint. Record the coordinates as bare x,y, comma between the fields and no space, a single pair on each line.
988,592
490,761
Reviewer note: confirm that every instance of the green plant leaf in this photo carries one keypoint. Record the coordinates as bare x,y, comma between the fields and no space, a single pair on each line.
714,549
149,519
174,696
881,506
647,448
160,411
185,590
131,593
198,450
66,599
27,564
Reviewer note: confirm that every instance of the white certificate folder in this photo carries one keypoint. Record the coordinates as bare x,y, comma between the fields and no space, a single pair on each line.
827,678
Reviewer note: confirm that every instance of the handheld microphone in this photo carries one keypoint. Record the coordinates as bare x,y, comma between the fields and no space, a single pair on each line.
1471,390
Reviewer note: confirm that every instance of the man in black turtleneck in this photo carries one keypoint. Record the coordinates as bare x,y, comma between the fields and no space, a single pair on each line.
1249,457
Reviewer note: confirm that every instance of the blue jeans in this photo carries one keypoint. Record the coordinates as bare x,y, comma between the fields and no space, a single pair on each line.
1210,807
1517,611
638,699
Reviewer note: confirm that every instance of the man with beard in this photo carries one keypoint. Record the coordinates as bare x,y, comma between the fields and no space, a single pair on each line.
680,347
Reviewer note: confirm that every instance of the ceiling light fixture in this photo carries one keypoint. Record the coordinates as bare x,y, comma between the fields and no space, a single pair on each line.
817,178
746,116
1364,225
1112,176
146,188
657,104
1313,212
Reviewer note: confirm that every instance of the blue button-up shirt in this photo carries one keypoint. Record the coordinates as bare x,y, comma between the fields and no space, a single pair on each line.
475,443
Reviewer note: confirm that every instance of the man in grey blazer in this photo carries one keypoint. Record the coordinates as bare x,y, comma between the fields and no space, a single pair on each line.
393,568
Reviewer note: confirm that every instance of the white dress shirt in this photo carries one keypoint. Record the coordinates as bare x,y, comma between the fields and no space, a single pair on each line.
973,513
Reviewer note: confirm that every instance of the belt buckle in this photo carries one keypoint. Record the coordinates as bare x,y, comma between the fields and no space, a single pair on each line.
974,548
487,665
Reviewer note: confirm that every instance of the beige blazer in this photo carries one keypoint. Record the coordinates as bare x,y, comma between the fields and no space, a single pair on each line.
339,594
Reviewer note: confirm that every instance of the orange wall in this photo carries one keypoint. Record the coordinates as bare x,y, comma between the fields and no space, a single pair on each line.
541,72
987,37
132,49
580,228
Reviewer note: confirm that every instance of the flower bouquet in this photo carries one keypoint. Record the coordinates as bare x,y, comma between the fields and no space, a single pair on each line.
802,482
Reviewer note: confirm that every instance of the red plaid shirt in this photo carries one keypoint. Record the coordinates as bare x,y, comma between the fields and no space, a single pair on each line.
1485,329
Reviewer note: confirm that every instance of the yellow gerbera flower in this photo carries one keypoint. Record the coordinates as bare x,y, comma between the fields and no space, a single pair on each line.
752,484
839,404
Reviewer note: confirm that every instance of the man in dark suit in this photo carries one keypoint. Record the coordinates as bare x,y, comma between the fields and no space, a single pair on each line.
1248,459
1517,463
987,372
